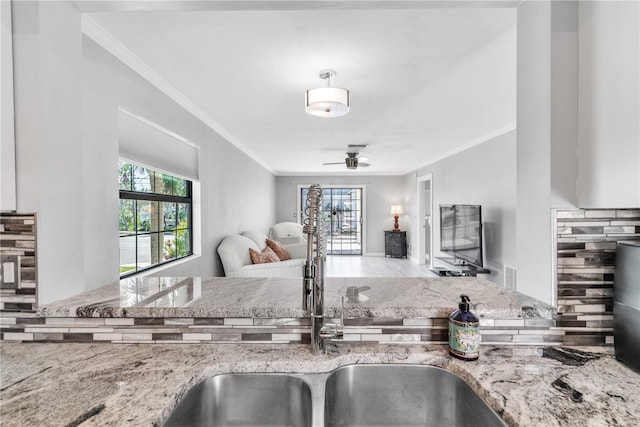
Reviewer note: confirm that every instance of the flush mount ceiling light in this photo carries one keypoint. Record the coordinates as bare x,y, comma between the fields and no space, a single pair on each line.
327,101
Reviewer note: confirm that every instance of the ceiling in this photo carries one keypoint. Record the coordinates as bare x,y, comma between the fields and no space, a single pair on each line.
425,81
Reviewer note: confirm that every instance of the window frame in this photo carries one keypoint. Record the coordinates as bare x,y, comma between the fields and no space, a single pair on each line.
144,196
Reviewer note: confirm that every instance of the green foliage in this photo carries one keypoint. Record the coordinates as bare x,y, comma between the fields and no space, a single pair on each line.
180,187
126,220
125,175
179,245
167,184
144,226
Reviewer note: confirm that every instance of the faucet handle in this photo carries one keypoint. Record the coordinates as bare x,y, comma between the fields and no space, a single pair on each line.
334,330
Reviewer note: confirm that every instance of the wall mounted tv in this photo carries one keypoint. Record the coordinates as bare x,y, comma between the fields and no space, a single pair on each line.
461,233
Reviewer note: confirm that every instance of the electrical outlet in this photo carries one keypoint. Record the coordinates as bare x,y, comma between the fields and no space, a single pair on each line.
10,272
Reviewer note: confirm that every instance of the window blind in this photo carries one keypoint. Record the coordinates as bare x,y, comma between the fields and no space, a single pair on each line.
149,144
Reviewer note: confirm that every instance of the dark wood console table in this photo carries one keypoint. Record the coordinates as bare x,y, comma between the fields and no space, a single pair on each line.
395,244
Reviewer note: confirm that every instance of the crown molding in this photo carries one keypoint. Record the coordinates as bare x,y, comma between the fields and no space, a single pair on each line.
112,45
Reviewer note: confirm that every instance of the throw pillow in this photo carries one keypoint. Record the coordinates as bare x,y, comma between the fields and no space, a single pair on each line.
268,255
279,249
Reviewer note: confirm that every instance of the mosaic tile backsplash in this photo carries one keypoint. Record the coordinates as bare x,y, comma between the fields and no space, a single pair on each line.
586,246
275,330
18,281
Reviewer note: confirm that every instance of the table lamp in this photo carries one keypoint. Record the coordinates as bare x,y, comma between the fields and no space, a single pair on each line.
396,211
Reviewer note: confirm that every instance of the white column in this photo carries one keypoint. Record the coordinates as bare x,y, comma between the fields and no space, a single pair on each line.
48,122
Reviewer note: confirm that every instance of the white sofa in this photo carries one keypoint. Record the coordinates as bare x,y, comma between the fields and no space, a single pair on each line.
287,233
236,261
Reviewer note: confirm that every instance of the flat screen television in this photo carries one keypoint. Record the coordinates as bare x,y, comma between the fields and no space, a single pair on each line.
461,233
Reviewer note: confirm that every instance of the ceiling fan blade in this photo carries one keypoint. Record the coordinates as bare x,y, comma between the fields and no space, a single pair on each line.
363,165
336,163
362,159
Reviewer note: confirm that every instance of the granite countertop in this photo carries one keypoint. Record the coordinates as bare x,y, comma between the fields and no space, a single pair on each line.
282,297
127,384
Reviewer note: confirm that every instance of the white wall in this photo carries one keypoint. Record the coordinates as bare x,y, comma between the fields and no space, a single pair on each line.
609,105
68,91
7,137
533,226
563,103
546,112
381,193
233,187
483,175
49,152
100,149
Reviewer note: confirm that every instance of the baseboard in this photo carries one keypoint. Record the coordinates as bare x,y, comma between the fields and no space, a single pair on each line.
374,254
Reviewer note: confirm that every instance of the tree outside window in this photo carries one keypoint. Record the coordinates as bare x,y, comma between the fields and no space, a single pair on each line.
154,218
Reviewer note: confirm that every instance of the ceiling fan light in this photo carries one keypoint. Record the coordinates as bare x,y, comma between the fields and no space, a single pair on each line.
352,162
327,102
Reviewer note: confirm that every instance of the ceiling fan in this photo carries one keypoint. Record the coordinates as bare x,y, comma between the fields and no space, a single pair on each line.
353,159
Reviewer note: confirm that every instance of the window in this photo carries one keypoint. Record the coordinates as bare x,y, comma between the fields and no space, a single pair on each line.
342,217
155,218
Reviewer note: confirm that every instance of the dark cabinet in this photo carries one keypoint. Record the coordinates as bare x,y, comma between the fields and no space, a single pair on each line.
395,244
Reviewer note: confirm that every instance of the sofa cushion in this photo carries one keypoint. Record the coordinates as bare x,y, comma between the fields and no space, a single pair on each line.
268,255
297,250
258,237
287,233
279,249
234,252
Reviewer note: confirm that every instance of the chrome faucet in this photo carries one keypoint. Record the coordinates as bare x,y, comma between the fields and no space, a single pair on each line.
313,281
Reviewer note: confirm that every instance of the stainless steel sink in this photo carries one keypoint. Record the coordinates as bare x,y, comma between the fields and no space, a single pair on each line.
401,395
245,400
354,395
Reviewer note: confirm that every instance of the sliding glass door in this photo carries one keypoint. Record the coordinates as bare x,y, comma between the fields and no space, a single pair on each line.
342,217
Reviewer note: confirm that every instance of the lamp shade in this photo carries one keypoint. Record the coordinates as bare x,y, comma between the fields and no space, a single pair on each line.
327,102
396,210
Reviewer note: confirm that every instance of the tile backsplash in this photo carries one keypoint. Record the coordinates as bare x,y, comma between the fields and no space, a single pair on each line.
181,330
18,283
586,248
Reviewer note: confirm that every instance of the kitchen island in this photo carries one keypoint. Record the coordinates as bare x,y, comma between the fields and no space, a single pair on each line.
269,310
262,297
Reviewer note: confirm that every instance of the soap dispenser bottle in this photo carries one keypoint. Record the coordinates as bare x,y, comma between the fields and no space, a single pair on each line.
464,334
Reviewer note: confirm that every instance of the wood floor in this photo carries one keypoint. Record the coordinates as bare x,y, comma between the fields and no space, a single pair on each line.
374,266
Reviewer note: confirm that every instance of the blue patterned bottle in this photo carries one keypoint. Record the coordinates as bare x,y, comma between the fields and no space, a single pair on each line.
464,334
